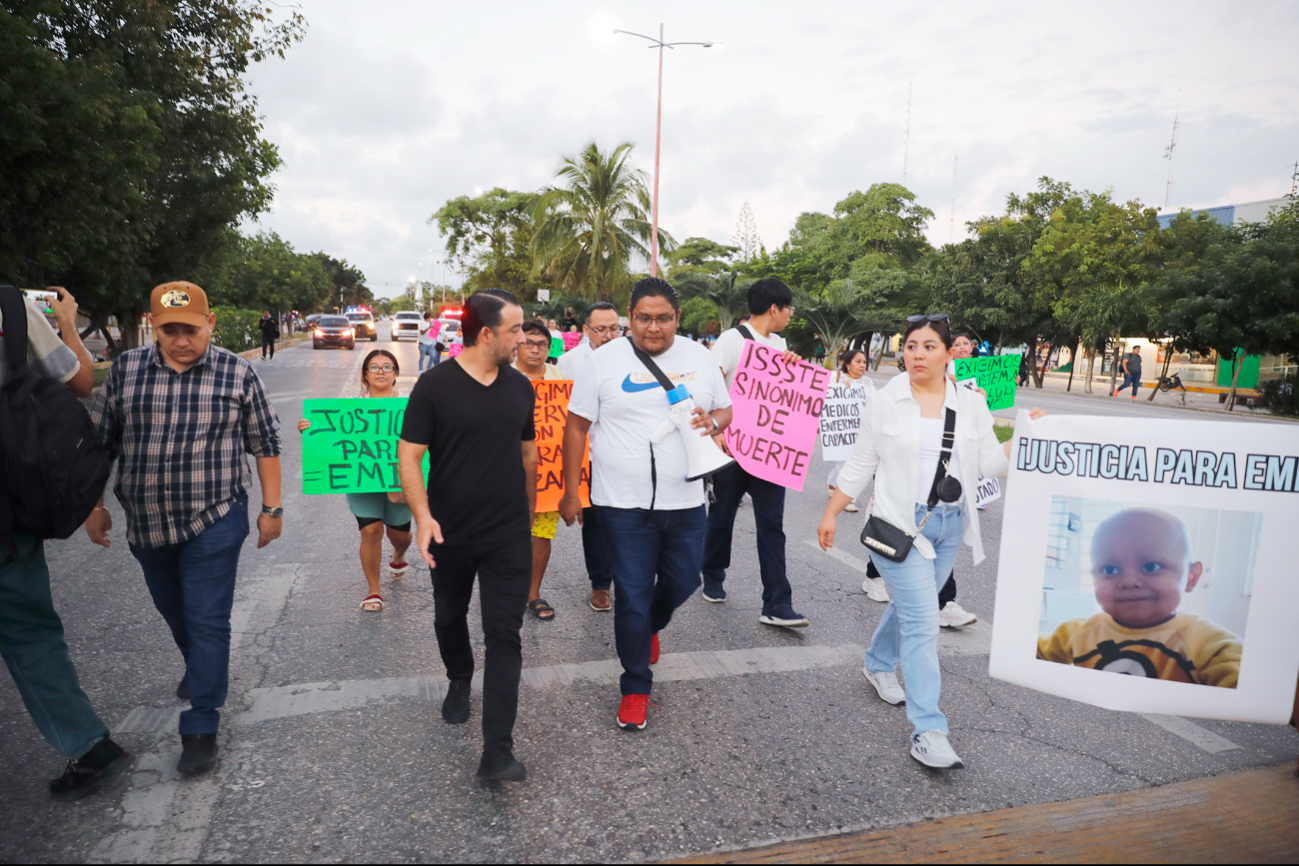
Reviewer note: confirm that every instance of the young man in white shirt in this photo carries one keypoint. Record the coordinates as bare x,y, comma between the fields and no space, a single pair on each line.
771,305
601,327
638,488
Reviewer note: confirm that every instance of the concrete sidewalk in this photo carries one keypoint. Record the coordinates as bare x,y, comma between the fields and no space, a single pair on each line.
1250,817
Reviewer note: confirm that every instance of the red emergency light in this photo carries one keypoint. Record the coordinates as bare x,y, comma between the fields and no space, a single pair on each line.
451,312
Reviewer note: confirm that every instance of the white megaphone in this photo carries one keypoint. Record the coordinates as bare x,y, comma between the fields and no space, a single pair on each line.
703,457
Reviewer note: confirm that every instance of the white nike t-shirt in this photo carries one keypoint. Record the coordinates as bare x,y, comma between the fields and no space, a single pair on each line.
625,403
729,348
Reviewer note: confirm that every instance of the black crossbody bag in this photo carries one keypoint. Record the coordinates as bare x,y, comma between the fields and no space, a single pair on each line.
885,539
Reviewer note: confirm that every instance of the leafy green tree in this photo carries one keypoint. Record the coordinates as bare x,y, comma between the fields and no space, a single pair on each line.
264,272
700,256
590,228
348,283
492,234
836,314
698,317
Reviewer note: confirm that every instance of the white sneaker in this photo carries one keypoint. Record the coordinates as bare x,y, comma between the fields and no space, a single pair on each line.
851,508
954,616
886,685
876,589
932,749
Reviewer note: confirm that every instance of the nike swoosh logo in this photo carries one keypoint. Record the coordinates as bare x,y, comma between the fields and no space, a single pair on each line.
631,387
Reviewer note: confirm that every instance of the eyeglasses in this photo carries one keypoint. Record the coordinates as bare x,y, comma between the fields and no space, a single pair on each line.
386,368
612,329
537,344
662,321
932,317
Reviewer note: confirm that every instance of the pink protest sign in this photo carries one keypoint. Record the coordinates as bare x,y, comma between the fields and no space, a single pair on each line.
777,410
434,328
455,349
571,340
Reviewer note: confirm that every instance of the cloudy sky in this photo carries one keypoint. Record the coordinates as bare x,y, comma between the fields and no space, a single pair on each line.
389,108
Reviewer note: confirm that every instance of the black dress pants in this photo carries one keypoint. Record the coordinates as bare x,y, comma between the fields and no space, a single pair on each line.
504,571
268,343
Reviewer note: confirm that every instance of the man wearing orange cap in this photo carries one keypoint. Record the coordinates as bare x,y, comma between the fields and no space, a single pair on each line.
180,415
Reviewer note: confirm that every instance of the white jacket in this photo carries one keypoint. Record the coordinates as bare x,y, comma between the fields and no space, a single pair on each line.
888,449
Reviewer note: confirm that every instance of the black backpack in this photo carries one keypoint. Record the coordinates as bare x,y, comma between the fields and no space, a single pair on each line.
53,464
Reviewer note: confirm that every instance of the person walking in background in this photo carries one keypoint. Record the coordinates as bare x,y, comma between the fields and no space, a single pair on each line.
270,333
601,326
376,511
951,614
473,417
180,415
771,304
640,490
1131,372
31,632
852,374
428,342
532,363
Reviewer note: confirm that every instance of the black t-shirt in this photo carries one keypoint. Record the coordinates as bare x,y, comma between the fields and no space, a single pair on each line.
1134,365
477,487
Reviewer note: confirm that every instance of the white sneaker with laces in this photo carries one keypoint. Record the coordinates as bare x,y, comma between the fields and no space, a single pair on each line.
954,616
886,685
932,749
851,508
877,590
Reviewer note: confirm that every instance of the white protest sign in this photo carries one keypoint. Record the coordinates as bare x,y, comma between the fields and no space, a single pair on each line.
841,418
989,491
1148,566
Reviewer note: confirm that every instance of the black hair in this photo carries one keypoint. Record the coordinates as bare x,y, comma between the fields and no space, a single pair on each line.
532,326
965,334
598,305
942,329
365,367
427,315
654,287
483,310
846,356
768,291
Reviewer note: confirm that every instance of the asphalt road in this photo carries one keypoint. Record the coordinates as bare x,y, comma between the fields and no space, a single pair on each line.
333,747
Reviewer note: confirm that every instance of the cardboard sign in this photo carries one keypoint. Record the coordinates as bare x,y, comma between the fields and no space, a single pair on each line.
777,410
550,415
351,445
841,419
1180,531
434,328
995,374
571,340
455,349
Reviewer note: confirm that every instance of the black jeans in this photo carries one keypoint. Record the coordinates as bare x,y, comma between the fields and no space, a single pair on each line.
504,572
729,486
593,546
268,342
946,594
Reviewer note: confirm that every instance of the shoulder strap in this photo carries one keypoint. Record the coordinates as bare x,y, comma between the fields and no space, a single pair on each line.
13,310
746,333
651,366
949,440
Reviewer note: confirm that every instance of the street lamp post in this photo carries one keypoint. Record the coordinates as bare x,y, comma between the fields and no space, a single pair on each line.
658,138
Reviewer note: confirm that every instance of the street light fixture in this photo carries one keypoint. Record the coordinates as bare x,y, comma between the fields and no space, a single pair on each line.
658,137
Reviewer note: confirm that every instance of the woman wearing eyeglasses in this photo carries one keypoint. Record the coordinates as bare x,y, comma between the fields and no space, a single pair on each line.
375,511
923,496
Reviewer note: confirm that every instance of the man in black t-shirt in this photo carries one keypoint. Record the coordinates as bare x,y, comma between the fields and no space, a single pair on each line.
473,417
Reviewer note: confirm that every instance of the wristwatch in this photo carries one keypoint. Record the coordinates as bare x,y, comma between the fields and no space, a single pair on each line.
276,512
716,426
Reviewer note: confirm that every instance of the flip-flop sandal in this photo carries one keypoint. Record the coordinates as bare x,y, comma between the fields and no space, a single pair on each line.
539,606
398,569
372,599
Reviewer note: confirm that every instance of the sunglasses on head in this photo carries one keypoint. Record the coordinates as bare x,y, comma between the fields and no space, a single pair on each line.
931,317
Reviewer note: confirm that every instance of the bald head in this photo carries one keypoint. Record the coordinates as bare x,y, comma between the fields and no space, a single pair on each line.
1141,565
1148,528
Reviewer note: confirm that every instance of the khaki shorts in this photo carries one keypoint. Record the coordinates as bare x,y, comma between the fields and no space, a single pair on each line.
545,524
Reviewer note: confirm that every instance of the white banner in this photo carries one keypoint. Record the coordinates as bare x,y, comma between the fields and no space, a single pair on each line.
989,491
841,418
1148,566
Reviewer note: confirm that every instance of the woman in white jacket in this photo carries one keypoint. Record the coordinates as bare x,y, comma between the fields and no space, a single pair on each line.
899,446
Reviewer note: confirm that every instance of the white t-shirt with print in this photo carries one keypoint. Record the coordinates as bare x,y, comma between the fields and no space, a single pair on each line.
729,349
625,403
571,361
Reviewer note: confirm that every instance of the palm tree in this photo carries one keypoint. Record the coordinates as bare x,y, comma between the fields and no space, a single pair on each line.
728,294
590,228
836,314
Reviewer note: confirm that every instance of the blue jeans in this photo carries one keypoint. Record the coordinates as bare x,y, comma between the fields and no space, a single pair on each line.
193,587
31,641
1129,379
644,545
729,486
429,351
908,631
594,551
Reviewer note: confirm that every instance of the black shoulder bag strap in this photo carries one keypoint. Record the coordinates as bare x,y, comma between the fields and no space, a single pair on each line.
14,320
746,333
949,441
667,386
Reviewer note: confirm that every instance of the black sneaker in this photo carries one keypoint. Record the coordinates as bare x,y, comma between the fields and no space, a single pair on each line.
182,690
102,763
501,766
198,754
455,707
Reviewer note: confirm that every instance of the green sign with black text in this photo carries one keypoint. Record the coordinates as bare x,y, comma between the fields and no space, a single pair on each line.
995,374
351,445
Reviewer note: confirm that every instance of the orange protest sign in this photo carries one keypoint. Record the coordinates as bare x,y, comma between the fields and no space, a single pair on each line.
550,415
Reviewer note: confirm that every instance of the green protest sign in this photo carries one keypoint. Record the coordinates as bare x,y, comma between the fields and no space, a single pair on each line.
351,445
995,374
556,346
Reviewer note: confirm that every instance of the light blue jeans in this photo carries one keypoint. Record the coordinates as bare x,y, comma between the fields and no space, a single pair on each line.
427,352
908,631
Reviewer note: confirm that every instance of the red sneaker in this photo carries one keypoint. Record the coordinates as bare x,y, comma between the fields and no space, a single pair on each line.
632,712
654,649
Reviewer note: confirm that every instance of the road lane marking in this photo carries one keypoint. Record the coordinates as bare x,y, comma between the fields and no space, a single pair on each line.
835,553
1201,738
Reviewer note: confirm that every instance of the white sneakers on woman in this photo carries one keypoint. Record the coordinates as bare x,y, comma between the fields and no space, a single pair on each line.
954,616
932,749
875,589
886,685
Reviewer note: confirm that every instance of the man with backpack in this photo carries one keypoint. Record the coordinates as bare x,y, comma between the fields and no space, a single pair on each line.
180,415
31,633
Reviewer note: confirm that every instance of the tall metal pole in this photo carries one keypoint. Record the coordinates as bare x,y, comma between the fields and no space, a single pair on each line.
658,140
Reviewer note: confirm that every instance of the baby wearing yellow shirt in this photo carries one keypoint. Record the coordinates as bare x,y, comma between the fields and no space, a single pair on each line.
1141,565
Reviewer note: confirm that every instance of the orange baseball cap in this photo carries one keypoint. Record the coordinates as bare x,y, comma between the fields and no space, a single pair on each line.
179,302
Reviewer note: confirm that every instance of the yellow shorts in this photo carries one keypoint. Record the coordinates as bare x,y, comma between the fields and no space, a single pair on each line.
545,524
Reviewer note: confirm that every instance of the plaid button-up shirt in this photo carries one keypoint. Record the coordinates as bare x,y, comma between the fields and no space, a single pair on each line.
181,439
